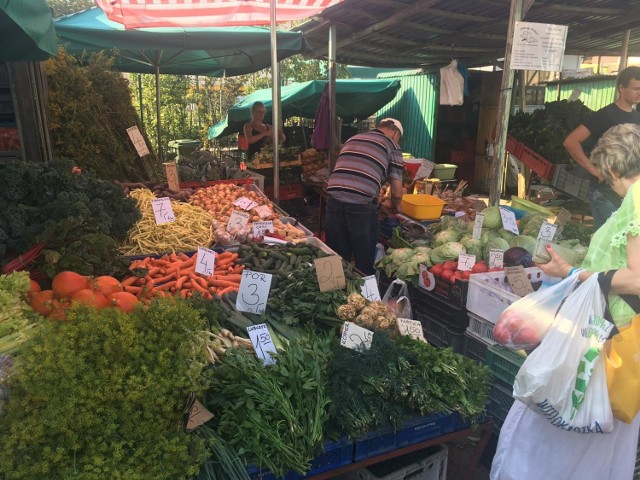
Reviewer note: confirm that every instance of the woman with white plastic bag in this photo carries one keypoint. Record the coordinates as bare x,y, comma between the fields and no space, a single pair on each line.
530,446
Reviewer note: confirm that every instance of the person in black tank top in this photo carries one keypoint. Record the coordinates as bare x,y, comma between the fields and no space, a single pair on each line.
256,132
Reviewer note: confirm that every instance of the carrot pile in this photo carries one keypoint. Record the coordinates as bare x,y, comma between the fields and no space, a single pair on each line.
175,274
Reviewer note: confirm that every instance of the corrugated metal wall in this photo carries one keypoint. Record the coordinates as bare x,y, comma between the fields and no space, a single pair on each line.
594,94
416,106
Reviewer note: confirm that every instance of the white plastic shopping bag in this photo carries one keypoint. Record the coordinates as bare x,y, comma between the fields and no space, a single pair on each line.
451,85
396,298
524,323
564,378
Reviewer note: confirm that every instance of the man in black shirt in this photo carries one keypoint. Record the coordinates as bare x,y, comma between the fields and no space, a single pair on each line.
604,201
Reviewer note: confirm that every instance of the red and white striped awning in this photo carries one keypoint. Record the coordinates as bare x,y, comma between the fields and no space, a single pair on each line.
207,13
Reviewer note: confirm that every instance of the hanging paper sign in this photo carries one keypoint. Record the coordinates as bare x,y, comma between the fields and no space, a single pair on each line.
237,220
496,258
509,221
138,141
466,262
356,337
410,328
561,219
171,170
197,415
205,261
259,228
263,211
245,203
547,231
425,170
163,211
254,292
477,226
330,273
517,278
370,289
538,46
426,279
262,342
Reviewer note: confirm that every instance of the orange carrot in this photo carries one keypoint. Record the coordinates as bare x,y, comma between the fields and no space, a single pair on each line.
167,285
181,280
198,288
229,278
224,256
183,293
214,282
154,271
133,289
227,290
129,281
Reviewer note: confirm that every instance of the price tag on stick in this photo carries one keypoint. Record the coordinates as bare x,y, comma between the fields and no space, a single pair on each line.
163,211
330,273
262,342
518,280
410,328
370,289
237,220
254,292
509,221
466,262
425,169
356,337
496,258
260,228
205,261
477,226
171,170
547,231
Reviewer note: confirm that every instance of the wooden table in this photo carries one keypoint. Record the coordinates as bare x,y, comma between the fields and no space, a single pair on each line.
484,430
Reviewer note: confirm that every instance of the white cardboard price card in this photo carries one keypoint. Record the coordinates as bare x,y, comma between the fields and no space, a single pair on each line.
330,273
509,221
466,262
245,203
410,328
426,279
237,220
477,226
171,170
163,211
496,258
205,261
547,231
425,170
263,211
254,292
260,228
262,342
138,141
370,289
356,337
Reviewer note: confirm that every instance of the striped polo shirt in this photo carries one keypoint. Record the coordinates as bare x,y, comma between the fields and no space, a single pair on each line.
364,163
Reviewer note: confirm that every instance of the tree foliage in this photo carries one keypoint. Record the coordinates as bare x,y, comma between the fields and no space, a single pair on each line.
64,7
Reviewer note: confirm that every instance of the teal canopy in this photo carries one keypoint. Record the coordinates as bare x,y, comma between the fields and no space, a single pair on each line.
227,51
355,99
27,32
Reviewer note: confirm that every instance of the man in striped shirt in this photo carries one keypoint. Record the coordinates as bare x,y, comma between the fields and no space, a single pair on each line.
365,163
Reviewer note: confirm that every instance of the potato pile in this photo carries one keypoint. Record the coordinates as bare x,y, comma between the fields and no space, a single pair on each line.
313,160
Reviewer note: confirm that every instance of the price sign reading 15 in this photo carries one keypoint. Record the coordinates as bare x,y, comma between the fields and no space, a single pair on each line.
262,342
163,211
410,328
254,292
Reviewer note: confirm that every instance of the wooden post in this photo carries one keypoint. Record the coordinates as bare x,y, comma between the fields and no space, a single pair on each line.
333,117
624,55
506,91
524,177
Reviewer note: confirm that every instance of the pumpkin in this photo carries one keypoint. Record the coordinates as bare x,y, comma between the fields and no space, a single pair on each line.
105,285
88,296
58,309
35,287
41,302
65,283
124,301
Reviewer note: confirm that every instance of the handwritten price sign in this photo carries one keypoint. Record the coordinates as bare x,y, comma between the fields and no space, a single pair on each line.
254,292
330,273
263,211
245,203
466,262
237,220
260,228
496,258
355,337
370,289
509,221
171,169
410,328
205,261
198,415
477,226
425,169
262,342
163,211
547,231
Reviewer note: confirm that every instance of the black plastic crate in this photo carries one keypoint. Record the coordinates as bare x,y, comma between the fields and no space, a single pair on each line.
439,334
427,304
476,347
500,402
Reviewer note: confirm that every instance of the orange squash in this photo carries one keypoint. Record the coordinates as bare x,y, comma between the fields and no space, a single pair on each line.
41,302
106,285
58,310
64,284
124,301
87,296
35,287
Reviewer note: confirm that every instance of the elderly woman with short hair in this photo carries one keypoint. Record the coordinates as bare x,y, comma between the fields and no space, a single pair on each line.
530,447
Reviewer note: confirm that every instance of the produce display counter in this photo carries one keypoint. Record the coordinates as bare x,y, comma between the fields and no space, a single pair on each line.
484,430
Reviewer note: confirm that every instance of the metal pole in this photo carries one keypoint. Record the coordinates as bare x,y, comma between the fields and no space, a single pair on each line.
140,97
158,126
275,104
625,51
333,118
506,91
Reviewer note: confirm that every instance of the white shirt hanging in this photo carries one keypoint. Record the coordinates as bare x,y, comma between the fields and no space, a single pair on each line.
451,85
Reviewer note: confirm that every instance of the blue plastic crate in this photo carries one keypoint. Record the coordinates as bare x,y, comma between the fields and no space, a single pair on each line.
257,473
460,424
374,443
336,454
419,429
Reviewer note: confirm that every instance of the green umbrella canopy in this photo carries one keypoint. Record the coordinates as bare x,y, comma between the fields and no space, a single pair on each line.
210,51
27,32
354,99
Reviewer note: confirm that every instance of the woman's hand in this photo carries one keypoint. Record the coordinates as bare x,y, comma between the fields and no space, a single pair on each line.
556,267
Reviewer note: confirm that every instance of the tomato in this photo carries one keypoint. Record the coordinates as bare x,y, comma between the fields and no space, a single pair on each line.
479,267
437,269
447,275
466,275
496,269
450,265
